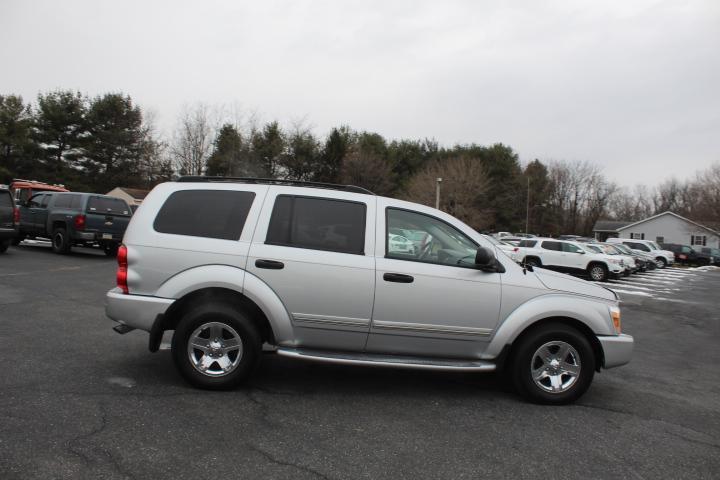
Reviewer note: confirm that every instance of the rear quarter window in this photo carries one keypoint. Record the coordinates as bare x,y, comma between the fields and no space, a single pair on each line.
205,213
550,245
527,243
107,205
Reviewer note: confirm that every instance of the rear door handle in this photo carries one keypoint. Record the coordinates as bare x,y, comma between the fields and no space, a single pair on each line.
269,264
397,278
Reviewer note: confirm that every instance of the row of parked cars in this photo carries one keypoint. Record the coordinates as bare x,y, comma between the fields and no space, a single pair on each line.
67,219
585,256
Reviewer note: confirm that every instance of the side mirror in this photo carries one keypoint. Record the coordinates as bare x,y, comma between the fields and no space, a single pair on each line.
581,252
485,260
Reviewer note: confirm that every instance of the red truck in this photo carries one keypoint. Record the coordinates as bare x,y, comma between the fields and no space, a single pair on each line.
22,190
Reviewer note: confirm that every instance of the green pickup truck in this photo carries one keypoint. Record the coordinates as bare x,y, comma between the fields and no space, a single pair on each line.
75,219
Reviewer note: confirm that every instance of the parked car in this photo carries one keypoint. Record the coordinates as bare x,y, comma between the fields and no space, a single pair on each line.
663,258
510,250
685,255
608,249
642,260
571,257
22,190
714,252
576,238
81,219
9,219
259,268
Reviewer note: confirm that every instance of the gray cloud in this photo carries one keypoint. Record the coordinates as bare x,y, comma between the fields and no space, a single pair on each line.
631,86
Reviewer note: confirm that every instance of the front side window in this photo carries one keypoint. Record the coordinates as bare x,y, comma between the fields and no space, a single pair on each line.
570,248
45,201
418,237
5,199
318,224
36,201
204,213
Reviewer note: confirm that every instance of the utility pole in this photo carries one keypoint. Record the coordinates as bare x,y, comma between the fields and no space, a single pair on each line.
527,211
437,193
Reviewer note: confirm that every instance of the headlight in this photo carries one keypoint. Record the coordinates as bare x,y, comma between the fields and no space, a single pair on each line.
616,262
615,315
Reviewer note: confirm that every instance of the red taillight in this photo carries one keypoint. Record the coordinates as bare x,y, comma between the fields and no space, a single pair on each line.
122,269
79,222
16,216
516,249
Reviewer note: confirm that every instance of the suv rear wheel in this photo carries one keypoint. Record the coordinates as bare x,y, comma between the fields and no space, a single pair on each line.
533,262
553,364
60,240
216,347
4,245
660,262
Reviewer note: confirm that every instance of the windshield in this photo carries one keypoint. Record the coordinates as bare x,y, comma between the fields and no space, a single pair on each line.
623,249
654,245
592,248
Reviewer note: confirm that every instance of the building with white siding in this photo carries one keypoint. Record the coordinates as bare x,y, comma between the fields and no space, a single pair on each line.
666,227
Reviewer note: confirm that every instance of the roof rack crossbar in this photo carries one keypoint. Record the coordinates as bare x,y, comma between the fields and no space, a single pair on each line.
275,181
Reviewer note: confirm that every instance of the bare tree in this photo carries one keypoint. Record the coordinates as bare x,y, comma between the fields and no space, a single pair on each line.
367,169
192,141
464,187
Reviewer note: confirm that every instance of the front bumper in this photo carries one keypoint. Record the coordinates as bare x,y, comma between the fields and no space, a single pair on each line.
135,311
617,349
8,232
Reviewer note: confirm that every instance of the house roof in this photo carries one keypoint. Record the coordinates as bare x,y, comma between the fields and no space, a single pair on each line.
608,225
135,193
714,232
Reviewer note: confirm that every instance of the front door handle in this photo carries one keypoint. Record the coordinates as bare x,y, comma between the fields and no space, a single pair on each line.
397,278
269,264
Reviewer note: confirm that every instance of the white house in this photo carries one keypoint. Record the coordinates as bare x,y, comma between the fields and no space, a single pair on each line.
133,196
666,227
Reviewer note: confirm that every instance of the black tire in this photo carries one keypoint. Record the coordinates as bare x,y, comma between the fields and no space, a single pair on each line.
524,360
598,272
4,245
661,262
533,262
61,241
111,249
239,323
16,241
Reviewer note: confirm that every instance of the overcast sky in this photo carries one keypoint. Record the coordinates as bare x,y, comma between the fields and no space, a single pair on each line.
631,85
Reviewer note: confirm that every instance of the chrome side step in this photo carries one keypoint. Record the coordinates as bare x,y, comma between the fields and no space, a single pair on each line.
394,361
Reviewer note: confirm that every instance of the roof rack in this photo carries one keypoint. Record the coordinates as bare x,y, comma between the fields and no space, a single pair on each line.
275,181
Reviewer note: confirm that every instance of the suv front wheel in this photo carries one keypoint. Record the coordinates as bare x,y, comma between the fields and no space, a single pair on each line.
216,347
553,364
598,272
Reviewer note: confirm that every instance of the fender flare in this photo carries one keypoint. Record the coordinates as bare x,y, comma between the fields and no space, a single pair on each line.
236,279
590,312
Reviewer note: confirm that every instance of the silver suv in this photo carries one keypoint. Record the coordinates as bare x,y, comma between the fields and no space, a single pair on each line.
336,274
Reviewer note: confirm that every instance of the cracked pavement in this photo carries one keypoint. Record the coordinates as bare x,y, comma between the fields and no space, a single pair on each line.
78,400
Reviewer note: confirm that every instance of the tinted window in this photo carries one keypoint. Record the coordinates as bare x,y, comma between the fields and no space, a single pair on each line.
35,201
75,201
205,213
62,201
527,243
107,205
569,247
5,199
548,245
318,223
46,200
422,238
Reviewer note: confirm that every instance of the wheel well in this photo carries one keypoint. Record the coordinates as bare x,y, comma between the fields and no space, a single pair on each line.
535,257
592,264
220,295
508,352
57,224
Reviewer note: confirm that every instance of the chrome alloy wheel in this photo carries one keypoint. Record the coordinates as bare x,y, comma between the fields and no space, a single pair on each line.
555,367
597,273
215,349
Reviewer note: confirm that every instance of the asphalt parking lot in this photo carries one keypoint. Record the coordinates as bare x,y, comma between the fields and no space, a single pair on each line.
78,400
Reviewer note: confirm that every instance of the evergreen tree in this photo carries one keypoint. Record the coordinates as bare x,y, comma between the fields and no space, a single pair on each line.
268,145
227,156
333,154
60,130
15,141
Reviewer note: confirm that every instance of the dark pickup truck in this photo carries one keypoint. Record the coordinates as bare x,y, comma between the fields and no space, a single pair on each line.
9,219
82,219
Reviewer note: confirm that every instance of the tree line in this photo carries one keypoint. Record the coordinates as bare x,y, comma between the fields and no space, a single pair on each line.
98,143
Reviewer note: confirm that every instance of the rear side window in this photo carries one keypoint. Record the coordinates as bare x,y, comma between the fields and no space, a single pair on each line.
527,243
75,201
107,205
5,199
205,213
556,246
62,201
318,223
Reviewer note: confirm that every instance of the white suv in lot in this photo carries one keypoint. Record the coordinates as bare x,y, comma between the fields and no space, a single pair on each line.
317,272
570,257
663,258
